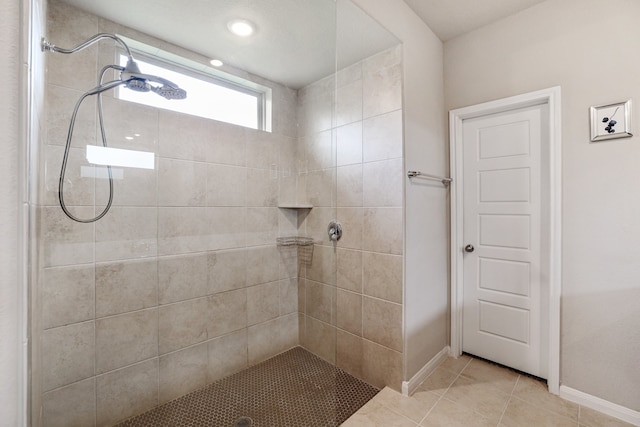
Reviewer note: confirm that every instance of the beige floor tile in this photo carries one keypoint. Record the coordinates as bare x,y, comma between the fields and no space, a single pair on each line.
414,407
591,418
521,414
449,414
375,414
439,381
478,396
488,373
469,392
456,365
536,393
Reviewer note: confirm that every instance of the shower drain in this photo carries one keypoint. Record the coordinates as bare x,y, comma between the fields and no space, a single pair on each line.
244,422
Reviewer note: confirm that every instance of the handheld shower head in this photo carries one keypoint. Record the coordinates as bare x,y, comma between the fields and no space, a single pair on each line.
138,85
132,78
169,92
136,80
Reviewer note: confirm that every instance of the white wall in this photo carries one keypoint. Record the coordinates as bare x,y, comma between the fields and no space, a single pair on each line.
426,203
9,196
591,50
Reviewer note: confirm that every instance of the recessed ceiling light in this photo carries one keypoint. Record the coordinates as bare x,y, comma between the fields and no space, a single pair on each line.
241,27
216,63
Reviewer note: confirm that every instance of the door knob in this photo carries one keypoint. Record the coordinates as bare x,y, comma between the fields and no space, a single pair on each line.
469,248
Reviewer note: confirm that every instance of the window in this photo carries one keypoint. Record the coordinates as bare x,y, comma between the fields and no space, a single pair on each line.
232,100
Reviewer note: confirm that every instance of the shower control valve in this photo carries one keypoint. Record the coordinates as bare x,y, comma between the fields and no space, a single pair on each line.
334,231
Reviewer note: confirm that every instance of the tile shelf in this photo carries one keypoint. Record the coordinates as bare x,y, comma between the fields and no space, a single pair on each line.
295,206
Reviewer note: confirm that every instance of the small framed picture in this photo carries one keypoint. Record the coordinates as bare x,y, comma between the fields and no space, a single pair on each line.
611,121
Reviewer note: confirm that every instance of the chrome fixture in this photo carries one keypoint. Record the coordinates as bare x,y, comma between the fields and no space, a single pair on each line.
334,230
414,174
130,74
131,78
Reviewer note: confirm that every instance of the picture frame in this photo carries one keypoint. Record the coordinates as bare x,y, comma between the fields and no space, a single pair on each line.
611,121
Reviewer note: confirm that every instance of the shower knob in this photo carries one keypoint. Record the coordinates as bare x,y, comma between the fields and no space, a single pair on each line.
469,248
334,231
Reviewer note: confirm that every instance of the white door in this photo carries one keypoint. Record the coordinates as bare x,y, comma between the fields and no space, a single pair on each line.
503,219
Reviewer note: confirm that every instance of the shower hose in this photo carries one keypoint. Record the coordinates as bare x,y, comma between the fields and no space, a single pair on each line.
97,91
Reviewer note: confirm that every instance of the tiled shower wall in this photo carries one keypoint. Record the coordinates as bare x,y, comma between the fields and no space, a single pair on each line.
350,296
181,282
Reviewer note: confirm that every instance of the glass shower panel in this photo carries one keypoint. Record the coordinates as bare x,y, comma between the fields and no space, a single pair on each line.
369,191
202,268
182,282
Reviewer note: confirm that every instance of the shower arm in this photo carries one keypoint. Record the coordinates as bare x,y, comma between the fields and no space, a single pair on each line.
46,45
130,74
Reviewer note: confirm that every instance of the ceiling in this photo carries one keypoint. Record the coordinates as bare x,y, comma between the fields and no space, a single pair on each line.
451,18
296,41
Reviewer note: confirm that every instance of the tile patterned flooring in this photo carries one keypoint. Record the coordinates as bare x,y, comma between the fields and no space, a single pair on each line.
293,389
470,392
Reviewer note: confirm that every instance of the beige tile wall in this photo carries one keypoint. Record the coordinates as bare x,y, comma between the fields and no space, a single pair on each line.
351,294
181,283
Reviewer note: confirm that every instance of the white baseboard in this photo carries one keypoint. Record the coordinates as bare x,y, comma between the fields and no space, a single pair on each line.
408,387
600,405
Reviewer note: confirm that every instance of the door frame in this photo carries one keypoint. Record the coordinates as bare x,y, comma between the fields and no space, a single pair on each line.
552,98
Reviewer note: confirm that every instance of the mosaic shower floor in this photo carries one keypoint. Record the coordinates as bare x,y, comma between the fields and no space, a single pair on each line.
293,389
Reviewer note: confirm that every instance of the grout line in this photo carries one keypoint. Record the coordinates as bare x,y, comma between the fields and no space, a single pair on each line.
445,392
515,385
434,405
95,336
504,410
394,410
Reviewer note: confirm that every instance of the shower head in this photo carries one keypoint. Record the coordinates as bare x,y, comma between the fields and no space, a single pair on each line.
170,92
136,80
138,85
132,78
130,74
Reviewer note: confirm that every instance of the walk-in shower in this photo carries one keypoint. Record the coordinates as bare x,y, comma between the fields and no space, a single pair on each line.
132,78
191,281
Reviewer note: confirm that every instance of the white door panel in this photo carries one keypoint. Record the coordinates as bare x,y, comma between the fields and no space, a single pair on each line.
492,188
504,140
504,321
502,305
507,276
506,231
